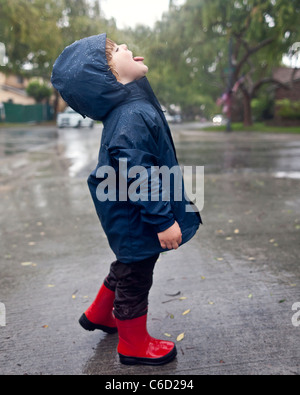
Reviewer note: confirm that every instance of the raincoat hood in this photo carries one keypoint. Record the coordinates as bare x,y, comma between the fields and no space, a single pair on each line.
82,77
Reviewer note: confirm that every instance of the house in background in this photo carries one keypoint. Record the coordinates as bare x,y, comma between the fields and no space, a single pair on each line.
291,79
13,90
16,106
286,75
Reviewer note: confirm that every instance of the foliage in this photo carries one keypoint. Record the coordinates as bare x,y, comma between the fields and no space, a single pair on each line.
187,52
82,18
263,107
36,31
194,42
29,30
288,109
38,91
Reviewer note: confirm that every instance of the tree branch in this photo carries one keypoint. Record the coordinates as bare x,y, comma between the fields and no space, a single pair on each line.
251,51
296,69
269,81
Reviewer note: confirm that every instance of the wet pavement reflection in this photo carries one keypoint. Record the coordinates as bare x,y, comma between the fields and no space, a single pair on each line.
239,276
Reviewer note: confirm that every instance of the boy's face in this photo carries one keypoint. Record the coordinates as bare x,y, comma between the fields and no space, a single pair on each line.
128,68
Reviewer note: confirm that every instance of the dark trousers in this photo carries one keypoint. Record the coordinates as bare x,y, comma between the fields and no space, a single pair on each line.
131,284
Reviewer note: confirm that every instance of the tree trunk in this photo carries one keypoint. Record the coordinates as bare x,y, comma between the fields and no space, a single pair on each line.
56,102
247,109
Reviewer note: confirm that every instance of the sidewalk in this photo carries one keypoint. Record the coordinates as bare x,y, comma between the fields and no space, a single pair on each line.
237,280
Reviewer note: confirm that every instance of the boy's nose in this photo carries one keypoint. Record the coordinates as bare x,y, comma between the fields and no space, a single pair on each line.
124,46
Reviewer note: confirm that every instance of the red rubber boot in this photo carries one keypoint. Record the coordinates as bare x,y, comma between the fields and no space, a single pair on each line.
137,347
100,314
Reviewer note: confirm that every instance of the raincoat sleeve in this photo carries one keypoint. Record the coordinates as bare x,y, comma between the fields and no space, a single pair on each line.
135,155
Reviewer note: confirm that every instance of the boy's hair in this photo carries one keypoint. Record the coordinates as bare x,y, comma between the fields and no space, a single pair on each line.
110,46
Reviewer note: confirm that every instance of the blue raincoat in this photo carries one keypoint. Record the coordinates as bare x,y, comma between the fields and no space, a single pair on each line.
132,210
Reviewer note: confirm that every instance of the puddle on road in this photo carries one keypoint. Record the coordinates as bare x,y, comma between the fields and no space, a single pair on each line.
14,142
218,153
76,150
293,175
278,158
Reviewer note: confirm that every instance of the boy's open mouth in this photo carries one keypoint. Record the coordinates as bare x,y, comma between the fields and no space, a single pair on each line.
138,59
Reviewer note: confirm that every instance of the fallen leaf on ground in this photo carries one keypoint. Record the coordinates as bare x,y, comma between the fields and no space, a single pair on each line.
180,337
26,264
186,312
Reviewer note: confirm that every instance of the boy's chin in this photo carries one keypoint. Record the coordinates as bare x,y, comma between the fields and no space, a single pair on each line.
145,69
143,73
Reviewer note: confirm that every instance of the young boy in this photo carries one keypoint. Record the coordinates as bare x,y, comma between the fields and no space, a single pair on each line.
103,81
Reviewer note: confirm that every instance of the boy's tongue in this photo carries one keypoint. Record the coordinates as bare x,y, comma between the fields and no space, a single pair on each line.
138,59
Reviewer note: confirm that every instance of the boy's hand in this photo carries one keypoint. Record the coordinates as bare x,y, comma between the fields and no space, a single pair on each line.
171,238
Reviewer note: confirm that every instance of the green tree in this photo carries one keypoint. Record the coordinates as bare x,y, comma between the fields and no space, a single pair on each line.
30,32
188,52
36,31
261,32
39,91
83,18
176,74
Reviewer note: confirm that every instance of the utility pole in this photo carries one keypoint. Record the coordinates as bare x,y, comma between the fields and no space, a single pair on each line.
229,88
2,54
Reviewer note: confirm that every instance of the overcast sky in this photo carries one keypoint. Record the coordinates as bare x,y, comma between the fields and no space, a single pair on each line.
132,12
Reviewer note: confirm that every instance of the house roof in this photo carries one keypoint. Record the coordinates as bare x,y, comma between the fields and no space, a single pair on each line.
285,74
17,91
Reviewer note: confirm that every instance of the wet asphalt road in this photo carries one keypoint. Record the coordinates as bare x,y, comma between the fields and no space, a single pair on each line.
239,277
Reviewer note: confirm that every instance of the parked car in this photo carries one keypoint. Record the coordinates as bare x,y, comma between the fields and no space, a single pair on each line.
173,118
71,119
177,118
218,119
2,112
